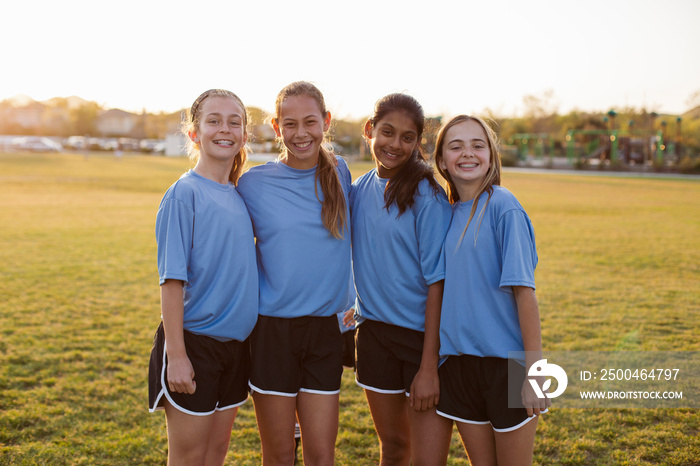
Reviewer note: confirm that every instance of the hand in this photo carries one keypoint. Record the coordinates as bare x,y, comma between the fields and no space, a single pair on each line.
425,390
534,405
180,376
349,318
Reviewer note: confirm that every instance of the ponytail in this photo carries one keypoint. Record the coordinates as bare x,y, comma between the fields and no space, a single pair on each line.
333,210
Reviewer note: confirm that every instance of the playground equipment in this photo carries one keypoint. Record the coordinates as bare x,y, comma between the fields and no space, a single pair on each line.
607,140
524,139
606,145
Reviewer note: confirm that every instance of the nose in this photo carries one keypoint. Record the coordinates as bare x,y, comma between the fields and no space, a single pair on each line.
395,142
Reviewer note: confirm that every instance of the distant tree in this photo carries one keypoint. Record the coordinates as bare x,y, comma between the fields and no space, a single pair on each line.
348,134
84,118
257,116
540,107
160,125
7,124
693,101
55,119
541,112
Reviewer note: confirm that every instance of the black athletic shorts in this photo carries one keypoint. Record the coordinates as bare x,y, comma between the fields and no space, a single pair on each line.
221,371
388,356
474,390
298,354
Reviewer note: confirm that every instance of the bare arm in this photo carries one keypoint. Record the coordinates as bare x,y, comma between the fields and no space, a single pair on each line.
180,374
425,388
529,316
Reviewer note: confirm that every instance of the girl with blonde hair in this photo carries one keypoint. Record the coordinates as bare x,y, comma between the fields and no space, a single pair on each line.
490,325
200,361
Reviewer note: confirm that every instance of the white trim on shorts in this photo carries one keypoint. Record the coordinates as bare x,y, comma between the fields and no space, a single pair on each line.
291,395
164,392
270,392
507,429
381,390
319,392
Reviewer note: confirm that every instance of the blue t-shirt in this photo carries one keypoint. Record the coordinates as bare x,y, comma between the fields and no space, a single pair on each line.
395,258
205,239
303,269
479,312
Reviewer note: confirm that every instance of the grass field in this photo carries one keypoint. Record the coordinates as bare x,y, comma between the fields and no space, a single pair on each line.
619,270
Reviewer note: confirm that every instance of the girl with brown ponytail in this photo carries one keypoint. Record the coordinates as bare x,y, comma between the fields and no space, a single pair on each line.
299,208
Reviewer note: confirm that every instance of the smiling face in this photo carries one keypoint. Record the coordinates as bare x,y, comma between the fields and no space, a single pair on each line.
466,157
392,139
221,131
302,126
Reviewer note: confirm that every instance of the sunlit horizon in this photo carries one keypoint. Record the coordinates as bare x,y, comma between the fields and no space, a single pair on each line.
454,58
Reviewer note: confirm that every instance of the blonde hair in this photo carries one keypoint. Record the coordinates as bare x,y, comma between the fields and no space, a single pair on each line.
492,177
190,124
333,210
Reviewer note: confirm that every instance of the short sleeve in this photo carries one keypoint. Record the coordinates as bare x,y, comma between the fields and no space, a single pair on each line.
517,239
174,233
432,222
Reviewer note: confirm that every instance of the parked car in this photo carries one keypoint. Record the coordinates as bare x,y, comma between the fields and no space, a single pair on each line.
36,144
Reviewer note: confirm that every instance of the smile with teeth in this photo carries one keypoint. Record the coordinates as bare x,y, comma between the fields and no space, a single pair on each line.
390,156
302,145
467,165
223,142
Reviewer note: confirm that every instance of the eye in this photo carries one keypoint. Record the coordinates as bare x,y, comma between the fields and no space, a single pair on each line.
213,121
386,132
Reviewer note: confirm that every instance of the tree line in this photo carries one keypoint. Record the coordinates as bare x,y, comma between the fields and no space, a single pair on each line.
64,117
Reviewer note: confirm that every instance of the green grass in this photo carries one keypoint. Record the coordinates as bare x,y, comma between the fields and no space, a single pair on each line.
619,269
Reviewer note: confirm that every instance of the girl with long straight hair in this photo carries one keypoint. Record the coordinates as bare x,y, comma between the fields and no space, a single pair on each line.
299,208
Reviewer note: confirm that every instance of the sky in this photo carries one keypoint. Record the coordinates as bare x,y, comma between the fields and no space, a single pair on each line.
454,56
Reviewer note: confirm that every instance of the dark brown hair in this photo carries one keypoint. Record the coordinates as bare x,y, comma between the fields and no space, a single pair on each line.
402,187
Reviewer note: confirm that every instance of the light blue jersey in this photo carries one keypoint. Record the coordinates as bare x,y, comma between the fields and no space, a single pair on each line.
205,239
395,258
479,313
304,270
